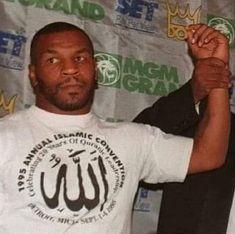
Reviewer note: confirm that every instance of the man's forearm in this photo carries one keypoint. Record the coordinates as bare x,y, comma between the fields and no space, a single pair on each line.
212,135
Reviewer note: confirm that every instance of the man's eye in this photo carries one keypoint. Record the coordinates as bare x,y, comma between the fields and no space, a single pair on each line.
79,59
53,60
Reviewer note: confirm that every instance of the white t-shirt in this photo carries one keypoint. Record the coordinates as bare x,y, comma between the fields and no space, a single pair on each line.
79,174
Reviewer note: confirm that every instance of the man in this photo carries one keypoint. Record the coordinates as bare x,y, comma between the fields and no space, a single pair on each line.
202,203
63,170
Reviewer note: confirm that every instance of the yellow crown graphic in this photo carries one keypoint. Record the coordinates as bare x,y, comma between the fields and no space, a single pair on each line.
178,19
9,105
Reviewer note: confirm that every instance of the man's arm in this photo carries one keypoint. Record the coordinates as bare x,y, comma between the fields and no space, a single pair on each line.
176,112
212,136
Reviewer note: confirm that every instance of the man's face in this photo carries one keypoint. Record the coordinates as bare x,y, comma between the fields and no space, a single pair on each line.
64,70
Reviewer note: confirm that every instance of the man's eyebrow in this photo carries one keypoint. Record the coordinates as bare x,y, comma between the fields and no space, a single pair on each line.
84,50
79,51
50,51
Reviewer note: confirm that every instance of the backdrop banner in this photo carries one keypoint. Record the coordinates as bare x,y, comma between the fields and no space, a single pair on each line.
140,50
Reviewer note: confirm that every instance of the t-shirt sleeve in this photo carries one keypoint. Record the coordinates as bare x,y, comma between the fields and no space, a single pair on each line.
6,142
167,156
3,148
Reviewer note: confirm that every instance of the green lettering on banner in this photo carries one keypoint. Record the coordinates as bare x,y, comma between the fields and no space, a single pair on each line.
136,76
88,10
145,85
130,83
61,5
151,70
96,12
43,4
133,66
149,78
79,8
168,74
160,89
27,2
47,4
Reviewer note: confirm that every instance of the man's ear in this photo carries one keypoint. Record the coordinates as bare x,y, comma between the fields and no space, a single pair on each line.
96,75
32,76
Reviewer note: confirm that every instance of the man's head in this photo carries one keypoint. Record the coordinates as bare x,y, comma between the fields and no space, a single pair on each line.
62,69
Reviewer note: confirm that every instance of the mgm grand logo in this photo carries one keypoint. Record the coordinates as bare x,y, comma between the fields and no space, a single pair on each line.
108,69
135,75
178,19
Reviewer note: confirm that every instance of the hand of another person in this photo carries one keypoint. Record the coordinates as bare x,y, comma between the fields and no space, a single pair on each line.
206,42
209,73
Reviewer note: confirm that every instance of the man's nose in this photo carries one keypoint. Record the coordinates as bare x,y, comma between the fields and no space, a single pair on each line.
70,67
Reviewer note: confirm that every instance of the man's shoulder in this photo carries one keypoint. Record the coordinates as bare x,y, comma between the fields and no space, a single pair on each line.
13,120
129,128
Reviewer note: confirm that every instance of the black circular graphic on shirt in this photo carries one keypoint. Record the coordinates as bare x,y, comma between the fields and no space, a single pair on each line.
71,178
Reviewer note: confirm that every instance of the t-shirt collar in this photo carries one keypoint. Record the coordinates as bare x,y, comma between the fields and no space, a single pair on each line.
52,119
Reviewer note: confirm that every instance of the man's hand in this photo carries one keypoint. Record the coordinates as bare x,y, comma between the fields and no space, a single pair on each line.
206,42
209,73
210,51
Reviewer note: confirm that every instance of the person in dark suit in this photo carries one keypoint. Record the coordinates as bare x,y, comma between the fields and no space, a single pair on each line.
202,203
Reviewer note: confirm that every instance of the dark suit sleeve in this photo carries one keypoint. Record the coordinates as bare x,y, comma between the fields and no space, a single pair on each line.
200,205
174,113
